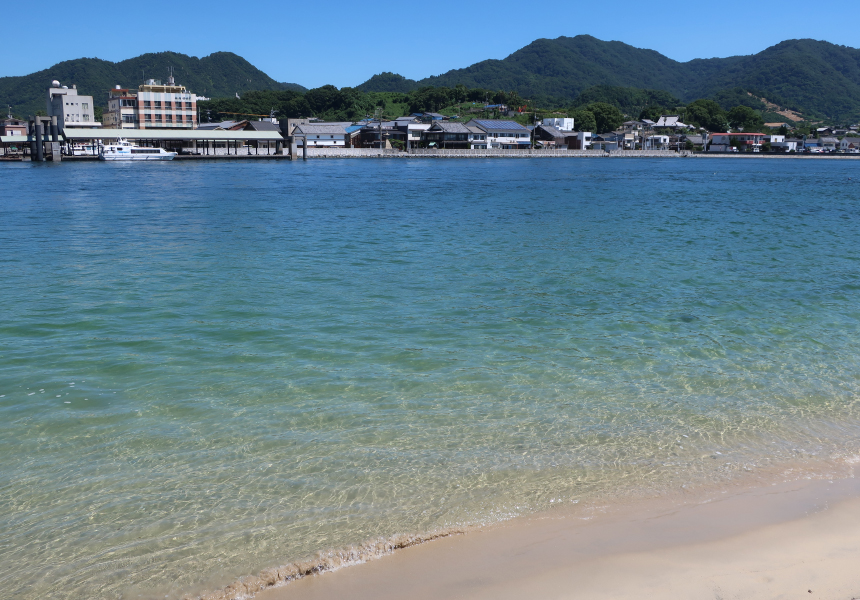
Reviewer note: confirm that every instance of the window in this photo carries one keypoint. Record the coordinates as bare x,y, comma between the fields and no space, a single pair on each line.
86,106
187,105
86,117
146,104
158,104
168,105
158,117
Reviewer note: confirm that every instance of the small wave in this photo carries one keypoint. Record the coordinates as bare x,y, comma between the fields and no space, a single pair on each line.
330,560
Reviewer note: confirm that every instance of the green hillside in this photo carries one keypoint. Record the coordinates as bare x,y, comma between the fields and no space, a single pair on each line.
388,82
219,74
817,77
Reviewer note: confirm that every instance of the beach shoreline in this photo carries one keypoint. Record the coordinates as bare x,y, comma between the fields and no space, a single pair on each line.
765,540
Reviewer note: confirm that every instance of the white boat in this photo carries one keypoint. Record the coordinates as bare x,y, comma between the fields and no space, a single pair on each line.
125,150
84,150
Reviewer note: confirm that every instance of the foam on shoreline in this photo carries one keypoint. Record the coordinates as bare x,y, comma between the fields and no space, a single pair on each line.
761,499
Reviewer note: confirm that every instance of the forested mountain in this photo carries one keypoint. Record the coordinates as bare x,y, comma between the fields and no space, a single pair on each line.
216,75
818,77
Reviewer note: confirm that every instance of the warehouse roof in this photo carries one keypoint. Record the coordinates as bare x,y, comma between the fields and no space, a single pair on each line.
170,134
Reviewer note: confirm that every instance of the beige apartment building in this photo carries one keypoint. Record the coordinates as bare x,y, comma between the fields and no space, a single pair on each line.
152,105
70,109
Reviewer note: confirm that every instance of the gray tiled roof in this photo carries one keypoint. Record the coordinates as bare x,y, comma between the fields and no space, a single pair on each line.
450,127
552,131
316,128
498,125
263,126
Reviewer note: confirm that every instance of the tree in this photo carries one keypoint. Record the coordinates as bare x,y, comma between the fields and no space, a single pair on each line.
707,114
746,119
583,120
607,118
652,113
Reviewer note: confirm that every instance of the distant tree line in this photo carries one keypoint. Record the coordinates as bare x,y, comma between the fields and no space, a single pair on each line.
348,104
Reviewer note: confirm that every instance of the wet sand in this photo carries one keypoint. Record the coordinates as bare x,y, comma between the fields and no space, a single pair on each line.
779,540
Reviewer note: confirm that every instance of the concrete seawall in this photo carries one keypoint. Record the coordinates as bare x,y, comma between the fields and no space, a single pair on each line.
489,153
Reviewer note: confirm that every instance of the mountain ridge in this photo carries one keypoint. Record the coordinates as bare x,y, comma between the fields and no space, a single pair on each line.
814,75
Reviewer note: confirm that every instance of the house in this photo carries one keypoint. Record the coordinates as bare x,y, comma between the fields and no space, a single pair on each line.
697,140
412,129
849,144
11,126
657,142
321,135
670,122
503,134
578,140
606,142
549,136
447,136
779,143
798,143
477,138
633,126
829,144
726,142
562,124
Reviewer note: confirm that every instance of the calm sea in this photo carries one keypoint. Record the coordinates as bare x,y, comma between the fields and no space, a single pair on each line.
207,369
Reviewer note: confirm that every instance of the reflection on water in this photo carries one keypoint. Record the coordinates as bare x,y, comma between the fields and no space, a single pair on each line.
208,369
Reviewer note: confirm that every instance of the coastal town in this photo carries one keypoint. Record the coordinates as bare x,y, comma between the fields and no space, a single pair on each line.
167,116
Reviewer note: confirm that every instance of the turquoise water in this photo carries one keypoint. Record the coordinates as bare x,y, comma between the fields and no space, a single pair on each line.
209,369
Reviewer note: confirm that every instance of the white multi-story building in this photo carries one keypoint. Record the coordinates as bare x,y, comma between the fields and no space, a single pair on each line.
503,134
562,124
70,109
152,106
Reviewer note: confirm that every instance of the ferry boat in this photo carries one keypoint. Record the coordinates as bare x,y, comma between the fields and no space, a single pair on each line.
125,150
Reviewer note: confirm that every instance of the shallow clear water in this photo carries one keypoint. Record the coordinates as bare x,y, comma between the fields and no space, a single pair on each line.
211,368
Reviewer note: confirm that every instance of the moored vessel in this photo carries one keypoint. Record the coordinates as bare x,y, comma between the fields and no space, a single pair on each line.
125,150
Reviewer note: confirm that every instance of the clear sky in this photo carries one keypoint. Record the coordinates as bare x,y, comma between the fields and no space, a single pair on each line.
344,43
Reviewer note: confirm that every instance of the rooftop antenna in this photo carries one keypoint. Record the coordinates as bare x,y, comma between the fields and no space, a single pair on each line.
9,114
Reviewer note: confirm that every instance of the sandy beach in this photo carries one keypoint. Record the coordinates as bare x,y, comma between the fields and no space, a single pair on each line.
796,539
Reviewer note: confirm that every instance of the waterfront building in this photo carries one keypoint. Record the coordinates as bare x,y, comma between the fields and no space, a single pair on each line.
70,108
477,138
746,142
503,134
657,142
447,136
779,143
561,124
551,136
321,135
152,105
12,126
248,141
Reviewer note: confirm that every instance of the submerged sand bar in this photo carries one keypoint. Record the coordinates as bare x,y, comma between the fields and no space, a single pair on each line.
787,540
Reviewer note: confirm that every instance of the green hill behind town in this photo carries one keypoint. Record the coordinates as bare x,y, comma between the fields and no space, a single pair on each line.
217,75
819,78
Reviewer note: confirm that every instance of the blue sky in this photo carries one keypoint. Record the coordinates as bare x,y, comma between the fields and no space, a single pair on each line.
344,43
